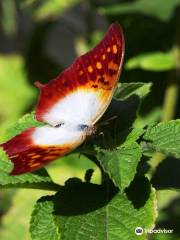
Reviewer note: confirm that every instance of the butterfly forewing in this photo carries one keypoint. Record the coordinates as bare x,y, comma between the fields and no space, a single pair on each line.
82,93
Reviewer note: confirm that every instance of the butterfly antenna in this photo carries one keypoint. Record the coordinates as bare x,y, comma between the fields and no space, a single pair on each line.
106,122
39,85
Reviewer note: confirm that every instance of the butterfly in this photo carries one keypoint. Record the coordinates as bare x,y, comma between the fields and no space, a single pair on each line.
70,104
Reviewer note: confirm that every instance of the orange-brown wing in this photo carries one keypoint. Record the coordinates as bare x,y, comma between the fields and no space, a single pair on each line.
87,85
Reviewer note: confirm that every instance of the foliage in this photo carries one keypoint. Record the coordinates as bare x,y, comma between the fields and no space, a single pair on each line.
14,100
119,179
22,206
50,8
99,224
125,90
165,137
158,61
121,163
150,8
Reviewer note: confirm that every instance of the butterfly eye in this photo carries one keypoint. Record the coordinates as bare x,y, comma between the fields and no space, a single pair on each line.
82,127
59,125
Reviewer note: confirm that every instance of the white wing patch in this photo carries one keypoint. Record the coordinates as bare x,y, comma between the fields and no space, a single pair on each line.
79,107
65,134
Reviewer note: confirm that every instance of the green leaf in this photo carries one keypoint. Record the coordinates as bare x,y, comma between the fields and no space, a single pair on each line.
42,225
168,216
126,90
9,17
150,118
161,9
165,137
22,124
7,180
112,220
147,149
157,61
117,220
16,94
134,135
121,163
53,8
163,236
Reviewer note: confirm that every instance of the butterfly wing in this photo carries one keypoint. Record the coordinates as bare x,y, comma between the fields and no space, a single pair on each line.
37,146
78,96
82,92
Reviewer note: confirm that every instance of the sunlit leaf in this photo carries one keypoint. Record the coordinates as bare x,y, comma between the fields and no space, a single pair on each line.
161,9
22,124
158,61
145,120
165,137
126,90
43,225
52,8
117,219
120,164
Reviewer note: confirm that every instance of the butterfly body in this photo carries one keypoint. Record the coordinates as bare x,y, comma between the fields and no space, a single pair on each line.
70,104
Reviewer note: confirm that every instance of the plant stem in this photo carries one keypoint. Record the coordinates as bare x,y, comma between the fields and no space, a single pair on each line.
49,186
171,93
169,108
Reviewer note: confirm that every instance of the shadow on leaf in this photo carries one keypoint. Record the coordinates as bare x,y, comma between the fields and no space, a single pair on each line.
138,192
115,132
78,197
169,218
167,174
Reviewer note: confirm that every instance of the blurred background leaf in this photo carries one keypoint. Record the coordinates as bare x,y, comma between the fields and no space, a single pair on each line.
126,90
153,61
161,9
14,225
16,95
49,8
9,15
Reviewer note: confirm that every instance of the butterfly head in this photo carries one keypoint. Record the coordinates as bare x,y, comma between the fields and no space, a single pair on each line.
84,128
89,130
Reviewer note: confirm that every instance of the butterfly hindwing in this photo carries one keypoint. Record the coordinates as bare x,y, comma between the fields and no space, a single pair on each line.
37,146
